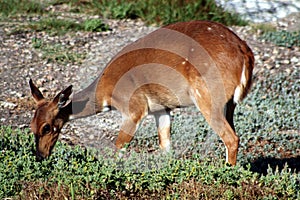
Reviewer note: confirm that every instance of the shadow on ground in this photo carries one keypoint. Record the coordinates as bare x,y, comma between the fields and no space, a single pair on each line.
262,164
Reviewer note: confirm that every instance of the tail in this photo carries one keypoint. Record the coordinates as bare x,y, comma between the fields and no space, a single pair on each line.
246,75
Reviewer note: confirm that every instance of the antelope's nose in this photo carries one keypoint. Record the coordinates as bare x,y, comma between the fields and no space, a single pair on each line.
39,157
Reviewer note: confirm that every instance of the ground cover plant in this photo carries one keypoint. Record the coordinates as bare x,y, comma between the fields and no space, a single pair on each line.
79,173
283,38
269,127
267,122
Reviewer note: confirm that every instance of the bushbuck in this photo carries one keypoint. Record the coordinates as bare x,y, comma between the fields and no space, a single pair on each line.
198,63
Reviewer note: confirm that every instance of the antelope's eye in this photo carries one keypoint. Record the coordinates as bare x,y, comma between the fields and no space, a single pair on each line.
46,129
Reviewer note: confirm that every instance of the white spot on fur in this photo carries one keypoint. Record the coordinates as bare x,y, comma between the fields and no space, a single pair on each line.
184,62
208,28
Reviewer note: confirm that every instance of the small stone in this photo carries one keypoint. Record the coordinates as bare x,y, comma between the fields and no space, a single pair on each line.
91,137
257,57
19,95
39,82
265,57
50,77
43,89
7,105
275,51
288,70
294,60
285,61
268,66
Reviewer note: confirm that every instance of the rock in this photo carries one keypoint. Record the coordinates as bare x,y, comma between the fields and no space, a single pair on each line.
285,62
295,60
7,105
262,10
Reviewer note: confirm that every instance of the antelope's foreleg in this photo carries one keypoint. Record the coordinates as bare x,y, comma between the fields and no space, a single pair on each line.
163,123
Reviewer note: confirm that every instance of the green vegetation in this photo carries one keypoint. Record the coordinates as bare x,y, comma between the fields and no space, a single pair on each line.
95,25
57,52
263,27
56,26
78,173
283,38
64,25
278,37
153,11
268,123
14,7
166,12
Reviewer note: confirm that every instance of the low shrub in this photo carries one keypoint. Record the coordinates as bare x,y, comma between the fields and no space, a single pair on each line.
282,38
80,173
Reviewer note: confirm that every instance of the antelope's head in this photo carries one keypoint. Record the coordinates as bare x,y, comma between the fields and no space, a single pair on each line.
49,118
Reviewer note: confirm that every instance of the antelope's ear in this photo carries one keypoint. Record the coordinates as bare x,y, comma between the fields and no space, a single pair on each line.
62,98
36,93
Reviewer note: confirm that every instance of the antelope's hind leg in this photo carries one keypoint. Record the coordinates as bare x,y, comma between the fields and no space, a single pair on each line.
233,139
221,122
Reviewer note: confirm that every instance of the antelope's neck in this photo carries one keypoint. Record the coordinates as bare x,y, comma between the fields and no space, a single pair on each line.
84,103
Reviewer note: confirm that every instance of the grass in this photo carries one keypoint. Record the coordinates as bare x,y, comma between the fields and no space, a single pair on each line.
14,7
166,12
152,12
57,26
263,27
268,160
56,52
62,26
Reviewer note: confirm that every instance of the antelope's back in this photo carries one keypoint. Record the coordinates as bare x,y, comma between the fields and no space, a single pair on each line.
174,57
